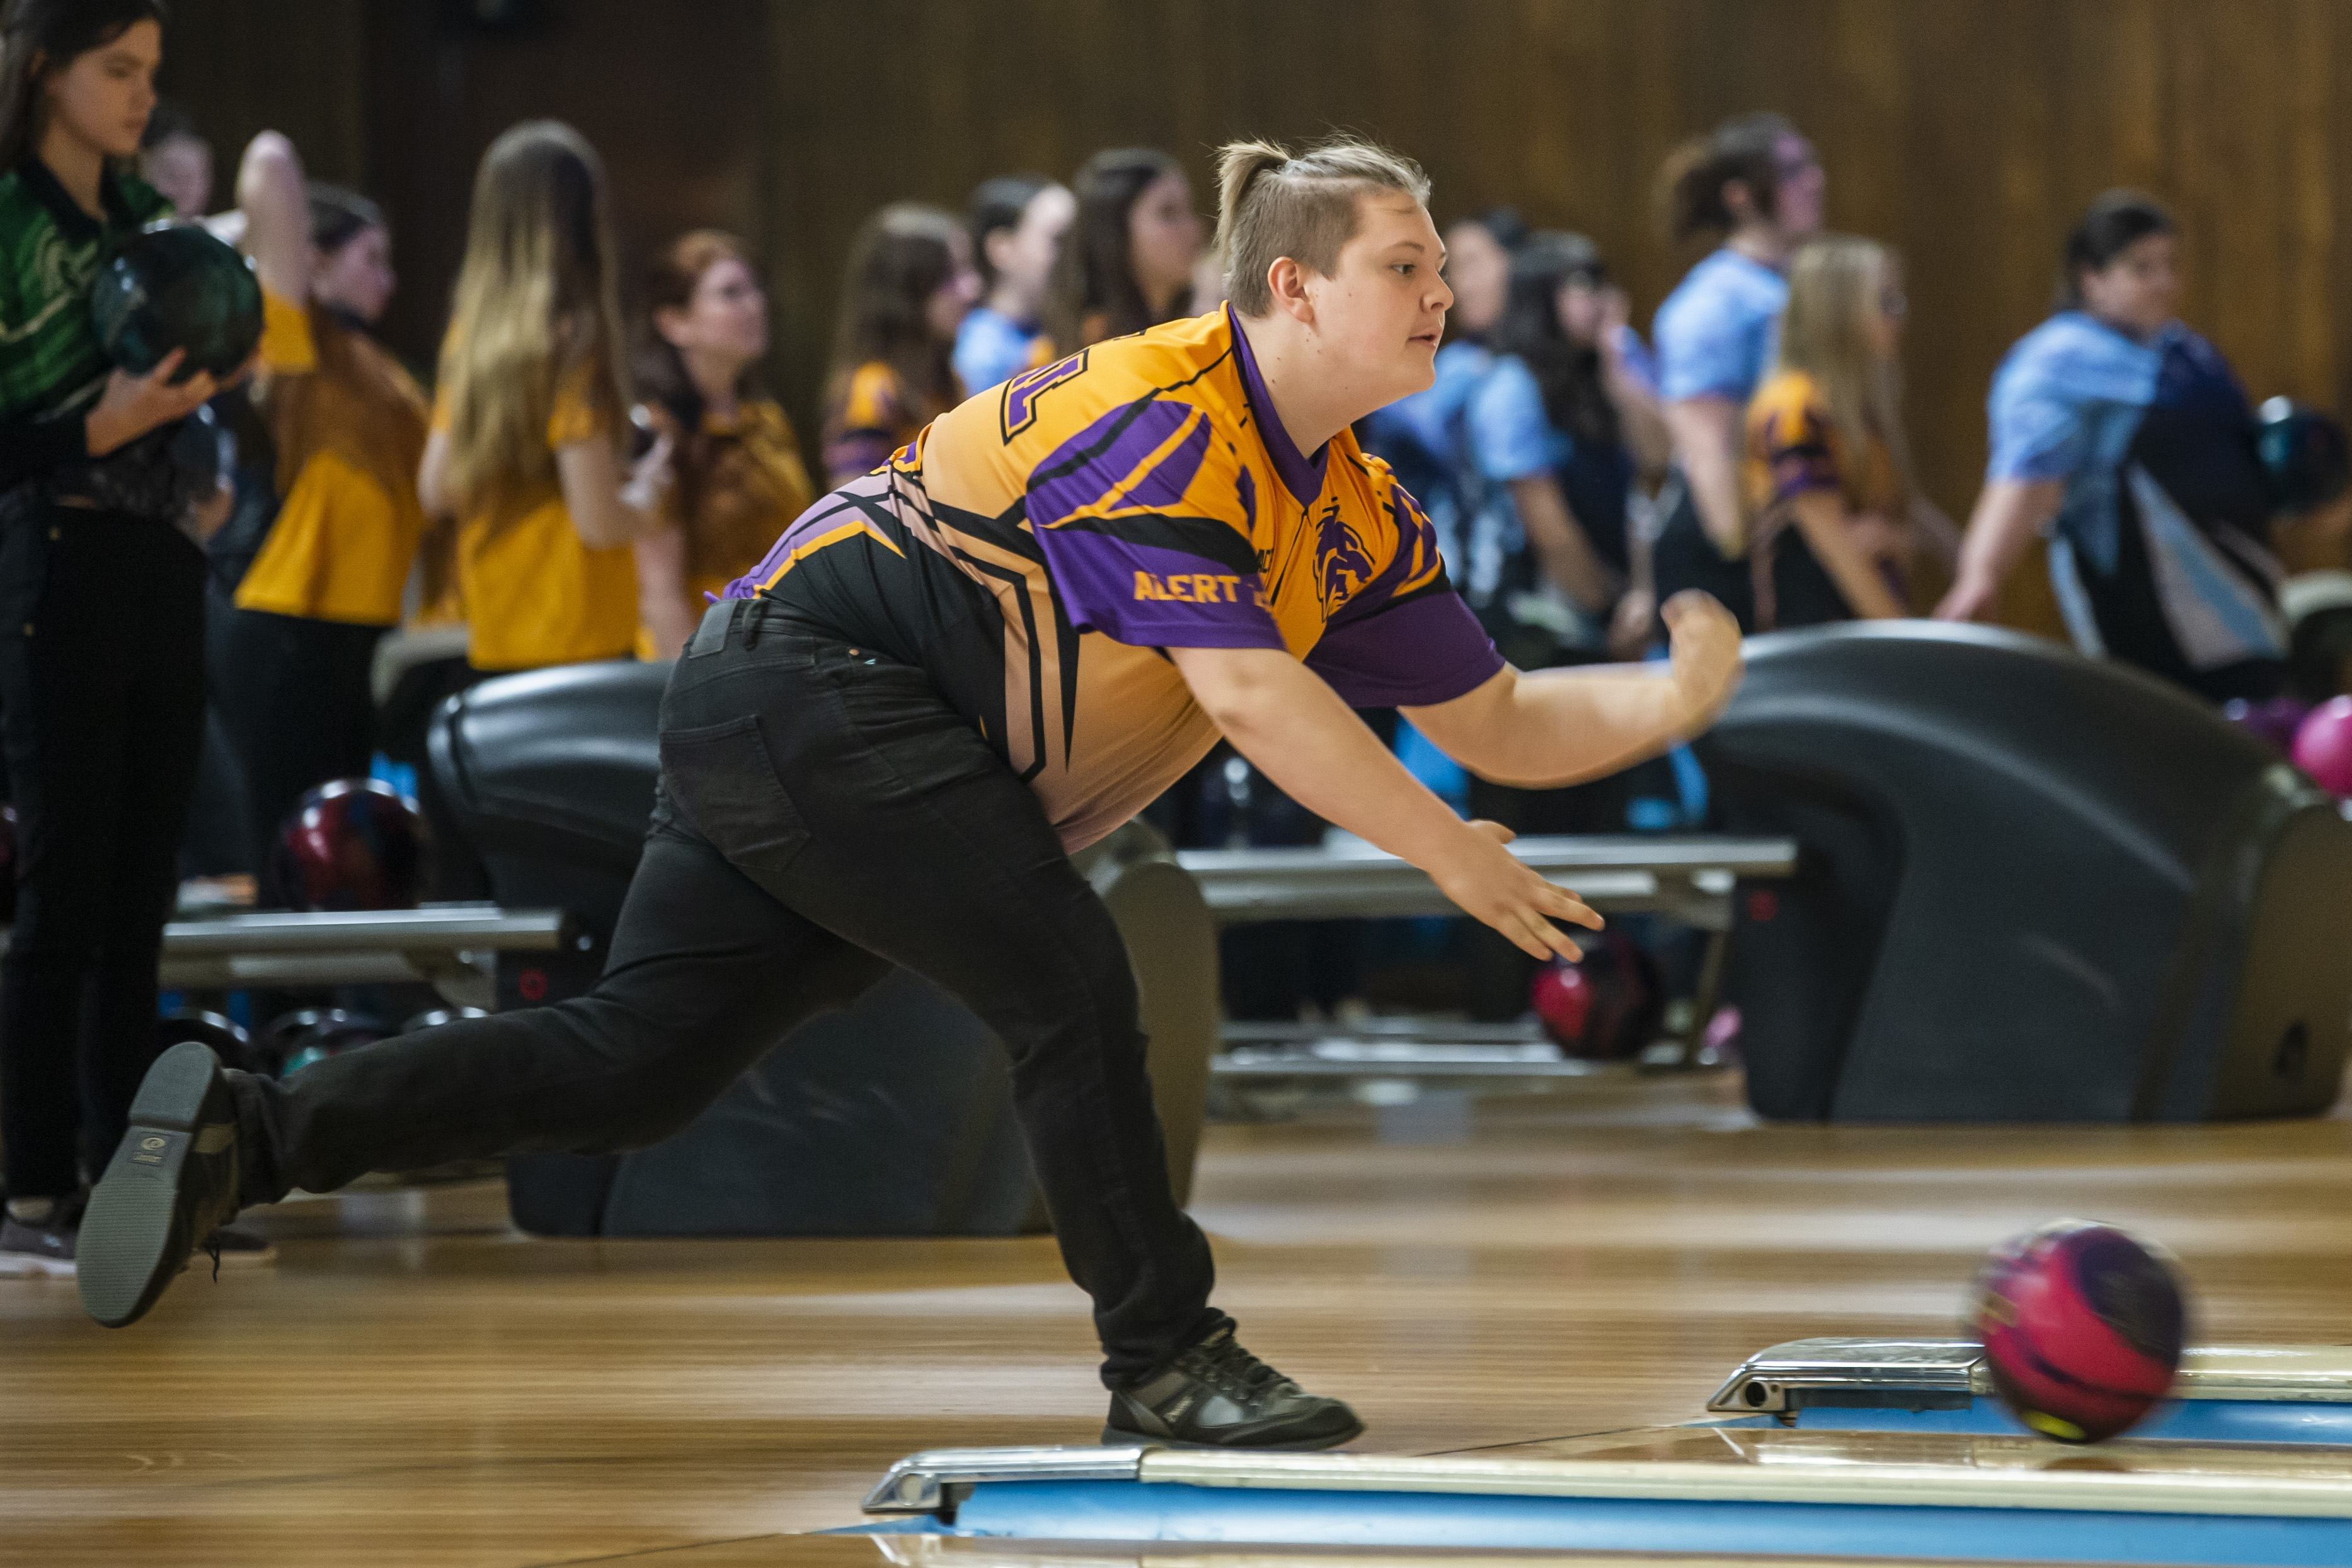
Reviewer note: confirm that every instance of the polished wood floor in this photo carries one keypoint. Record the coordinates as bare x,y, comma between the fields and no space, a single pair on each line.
416,1384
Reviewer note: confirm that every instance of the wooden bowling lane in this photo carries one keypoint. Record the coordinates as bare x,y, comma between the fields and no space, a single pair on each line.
415,1384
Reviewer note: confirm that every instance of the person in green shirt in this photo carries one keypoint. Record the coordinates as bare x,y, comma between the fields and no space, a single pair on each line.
101,615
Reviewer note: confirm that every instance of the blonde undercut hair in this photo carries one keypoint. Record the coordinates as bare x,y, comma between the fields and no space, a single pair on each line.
1307,206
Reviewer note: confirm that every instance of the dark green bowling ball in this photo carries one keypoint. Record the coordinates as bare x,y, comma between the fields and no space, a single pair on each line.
176,286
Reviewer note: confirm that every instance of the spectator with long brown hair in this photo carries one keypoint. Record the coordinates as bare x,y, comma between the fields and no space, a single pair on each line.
1127,262
528,410
736,474
1829,470
909,281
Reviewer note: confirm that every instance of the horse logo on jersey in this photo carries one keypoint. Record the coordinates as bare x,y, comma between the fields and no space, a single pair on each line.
1343,562
1018,410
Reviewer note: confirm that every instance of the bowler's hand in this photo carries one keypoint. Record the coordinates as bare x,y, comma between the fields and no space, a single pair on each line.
1499,889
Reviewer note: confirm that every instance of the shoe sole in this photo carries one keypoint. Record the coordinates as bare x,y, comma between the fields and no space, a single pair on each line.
126,1252
30,1268
1114,1438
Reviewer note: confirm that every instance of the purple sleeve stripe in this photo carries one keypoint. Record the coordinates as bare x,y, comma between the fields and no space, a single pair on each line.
1419,652
1151,597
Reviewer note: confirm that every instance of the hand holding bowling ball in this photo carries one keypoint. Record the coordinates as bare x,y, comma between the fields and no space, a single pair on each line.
355,844
177,288
2083,1326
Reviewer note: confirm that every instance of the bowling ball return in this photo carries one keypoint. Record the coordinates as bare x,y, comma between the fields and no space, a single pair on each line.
2031,888
1817,1449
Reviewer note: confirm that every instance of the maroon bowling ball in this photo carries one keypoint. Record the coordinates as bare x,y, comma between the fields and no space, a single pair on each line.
2083,1326
1607,1005
355,843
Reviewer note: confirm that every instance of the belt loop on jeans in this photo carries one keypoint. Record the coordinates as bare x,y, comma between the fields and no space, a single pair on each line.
710,637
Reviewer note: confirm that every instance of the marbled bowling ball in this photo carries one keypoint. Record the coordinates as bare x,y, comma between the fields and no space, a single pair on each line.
176,286
2082,1325
355,843
2323,746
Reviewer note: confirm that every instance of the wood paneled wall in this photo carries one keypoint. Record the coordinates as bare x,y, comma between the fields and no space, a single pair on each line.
1968,132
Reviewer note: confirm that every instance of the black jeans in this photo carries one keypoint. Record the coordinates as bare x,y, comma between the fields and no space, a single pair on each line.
294,693
102,713
823,815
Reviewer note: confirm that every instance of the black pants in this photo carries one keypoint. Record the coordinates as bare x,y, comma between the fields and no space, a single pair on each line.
101,712
823,815
294,693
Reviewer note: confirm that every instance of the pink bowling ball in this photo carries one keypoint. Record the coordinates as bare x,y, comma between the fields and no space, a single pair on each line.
2323,746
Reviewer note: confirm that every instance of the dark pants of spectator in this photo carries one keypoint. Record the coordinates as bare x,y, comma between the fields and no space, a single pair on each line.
294,693
102,713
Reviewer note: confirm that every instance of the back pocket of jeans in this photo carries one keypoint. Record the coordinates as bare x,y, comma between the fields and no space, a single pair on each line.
721,777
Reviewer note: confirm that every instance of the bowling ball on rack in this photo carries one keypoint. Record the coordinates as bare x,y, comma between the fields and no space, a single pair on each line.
2082,1327
2304,455
434,1017
227,1041
355,843
298,1039
2323,746
175,287
1606,1006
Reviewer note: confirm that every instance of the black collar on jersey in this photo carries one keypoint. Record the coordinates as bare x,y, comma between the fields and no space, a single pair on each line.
75,225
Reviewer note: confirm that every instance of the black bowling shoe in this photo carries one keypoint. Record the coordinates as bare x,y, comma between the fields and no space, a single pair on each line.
1218,1395
171,1183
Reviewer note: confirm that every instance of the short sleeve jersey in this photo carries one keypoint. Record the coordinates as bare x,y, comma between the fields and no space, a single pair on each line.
2161,550
535,593
870,417
1715,332
1038,548
1794,448
349,425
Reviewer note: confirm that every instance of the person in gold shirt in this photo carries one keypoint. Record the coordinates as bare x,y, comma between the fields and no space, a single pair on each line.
528,414
909,282
348,423
736,474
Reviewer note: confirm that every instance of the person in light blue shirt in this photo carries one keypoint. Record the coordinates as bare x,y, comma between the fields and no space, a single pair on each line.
1553,429
2125,436
1420,436
1017,222
1757,184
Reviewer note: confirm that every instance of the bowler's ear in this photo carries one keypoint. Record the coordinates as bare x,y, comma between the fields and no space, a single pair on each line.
1287,281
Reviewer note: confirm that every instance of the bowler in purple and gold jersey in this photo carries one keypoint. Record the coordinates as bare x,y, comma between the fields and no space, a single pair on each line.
991,650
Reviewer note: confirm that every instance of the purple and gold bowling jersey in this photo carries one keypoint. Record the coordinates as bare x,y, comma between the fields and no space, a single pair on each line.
1035,550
